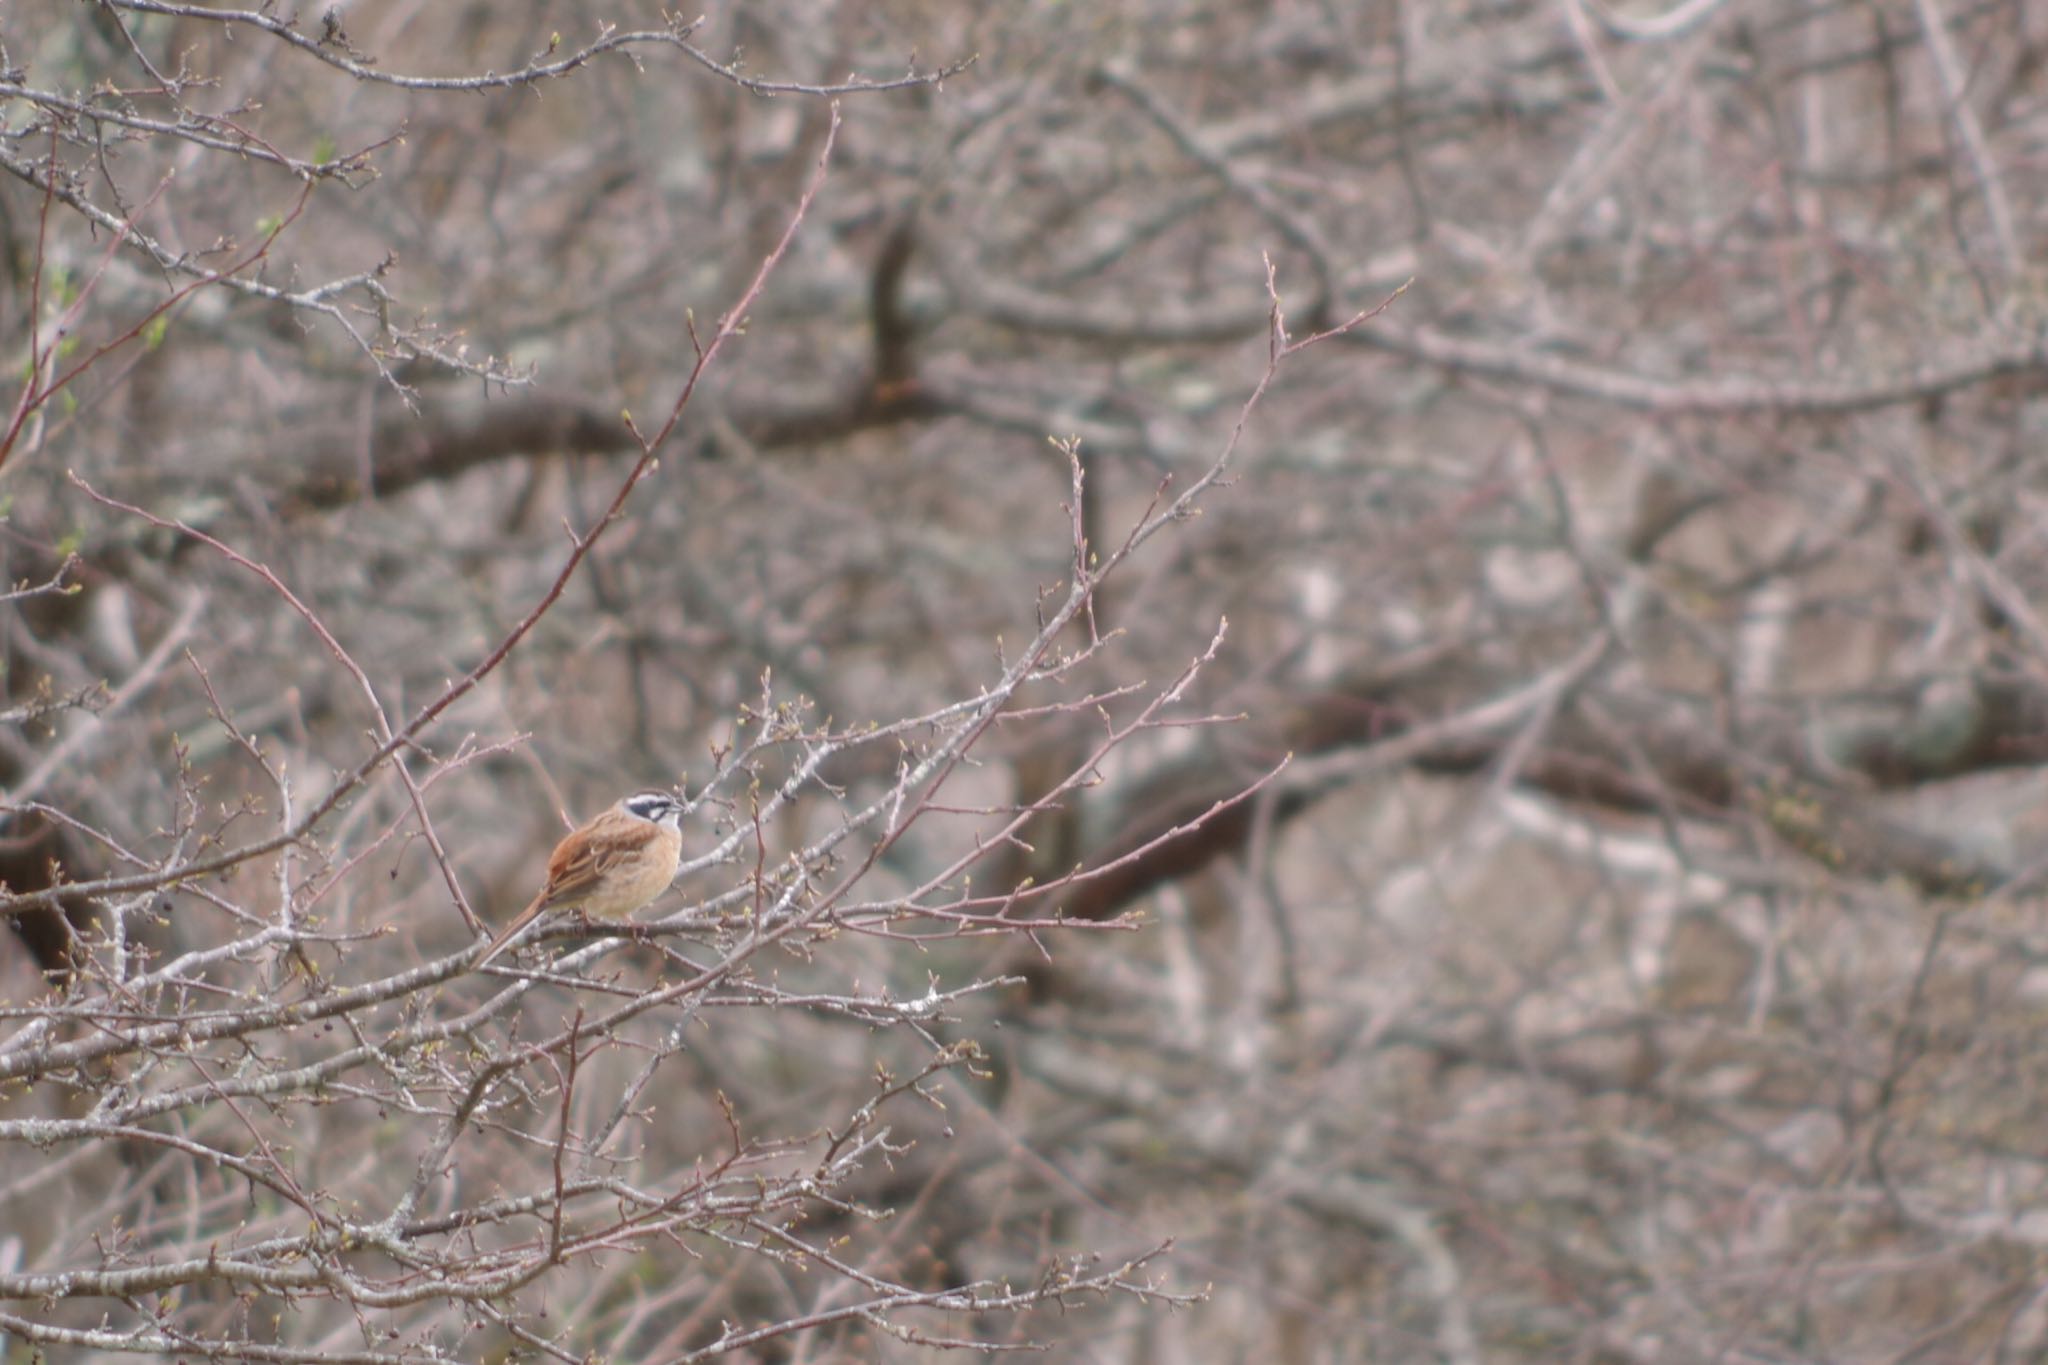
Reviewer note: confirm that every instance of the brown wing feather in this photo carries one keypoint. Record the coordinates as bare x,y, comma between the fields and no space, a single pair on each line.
573,869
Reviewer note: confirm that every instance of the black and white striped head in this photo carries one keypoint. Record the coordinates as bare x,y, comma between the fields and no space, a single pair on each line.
658,808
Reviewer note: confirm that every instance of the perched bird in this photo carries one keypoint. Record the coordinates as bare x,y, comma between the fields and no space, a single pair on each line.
610,867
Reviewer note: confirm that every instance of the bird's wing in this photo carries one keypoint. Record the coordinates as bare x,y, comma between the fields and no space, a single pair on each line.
574,872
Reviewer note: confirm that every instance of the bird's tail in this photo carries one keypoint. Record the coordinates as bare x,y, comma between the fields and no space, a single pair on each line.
511,931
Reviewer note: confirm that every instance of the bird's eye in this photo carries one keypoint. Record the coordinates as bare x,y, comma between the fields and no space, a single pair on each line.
653,805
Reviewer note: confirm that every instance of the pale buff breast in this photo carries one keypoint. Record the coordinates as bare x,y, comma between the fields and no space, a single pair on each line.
618,896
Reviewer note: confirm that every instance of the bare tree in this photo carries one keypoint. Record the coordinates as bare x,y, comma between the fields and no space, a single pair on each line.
1603,930
303,1139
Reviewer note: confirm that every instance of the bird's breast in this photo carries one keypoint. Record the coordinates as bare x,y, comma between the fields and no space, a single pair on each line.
627,888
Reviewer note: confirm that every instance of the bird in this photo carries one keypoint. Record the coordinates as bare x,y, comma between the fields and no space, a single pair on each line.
609,867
